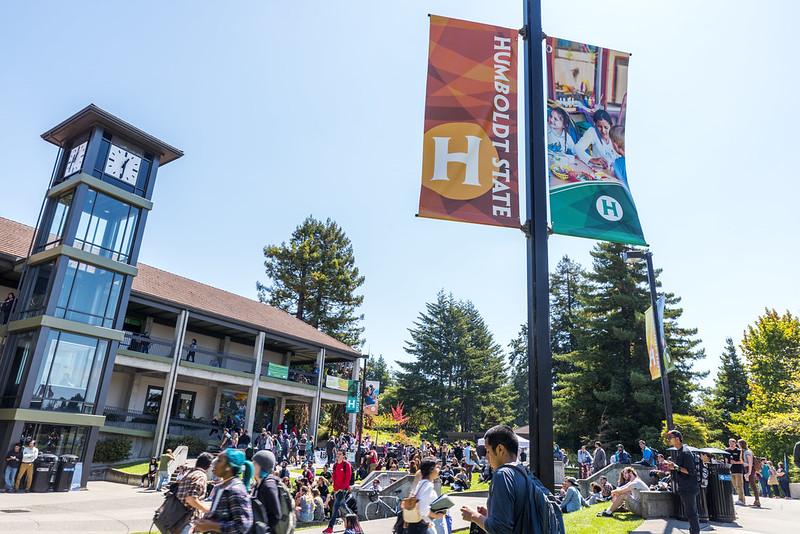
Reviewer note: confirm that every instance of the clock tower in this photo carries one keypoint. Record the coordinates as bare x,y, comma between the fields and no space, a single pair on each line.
64,331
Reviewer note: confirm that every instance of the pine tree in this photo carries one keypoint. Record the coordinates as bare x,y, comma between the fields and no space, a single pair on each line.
314,277
609,393
568,289
731,388
456,379
378,369
518,360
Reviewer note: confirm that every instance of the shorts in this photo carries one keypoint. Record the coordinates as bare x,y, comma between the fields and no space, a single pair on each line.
634,505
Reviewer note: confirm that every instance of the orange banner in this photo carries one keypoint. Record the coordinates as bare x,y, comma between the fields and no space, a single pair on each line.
469,158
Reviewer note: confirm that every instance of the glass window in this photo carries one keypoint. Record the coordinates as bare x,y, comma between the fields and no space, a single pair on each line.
57,439
152,403
35,304
21,355
89,294
106,227
54,235
68,379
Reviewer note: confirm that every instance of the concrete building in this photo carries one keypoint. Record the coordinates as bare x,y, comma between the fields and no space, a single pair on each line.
210,353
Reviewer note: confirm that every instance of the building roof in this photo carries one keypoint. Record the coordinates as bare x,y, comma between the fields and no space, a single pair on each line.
84,119
157,284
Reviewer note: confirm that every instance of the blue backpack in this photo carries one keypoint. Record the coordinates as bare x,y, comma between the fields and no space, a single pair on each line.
542,512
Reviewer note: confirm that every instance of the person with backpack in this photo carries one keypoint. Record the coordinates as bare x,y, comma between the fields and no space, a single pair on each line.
267,489
231,511
191,489
342,475
752,466
684,473
507,506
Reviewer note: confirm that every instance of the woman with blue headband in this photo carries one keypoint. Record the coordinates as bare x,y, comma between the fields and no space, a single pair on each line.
230,512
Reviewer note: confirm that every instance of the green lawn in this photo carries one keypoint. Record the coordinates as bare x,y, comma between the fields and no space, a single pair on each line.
138,468
475,486
586,521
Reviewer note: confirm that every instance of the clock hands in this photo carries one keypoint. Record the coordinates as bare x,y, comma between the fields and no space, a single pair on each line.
122,169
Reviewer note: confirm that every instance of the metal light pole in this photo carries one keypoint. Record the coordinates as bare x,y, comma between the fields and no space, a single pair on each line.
540,400
651,278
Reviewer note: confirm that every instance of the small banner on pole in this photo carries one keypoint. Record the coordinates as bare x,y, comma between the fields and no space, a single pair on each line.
353,404
469,159
587,92
652,345
371,395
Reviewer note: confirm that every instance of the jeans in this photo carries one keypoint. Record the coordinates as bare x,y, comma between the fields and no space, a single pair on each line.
689,502
764,487
163,476
338,502
11,476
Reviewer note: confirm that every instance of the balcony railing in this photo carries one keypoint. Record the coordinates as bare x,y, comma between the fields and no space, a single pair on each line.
136,420
220,359
147,345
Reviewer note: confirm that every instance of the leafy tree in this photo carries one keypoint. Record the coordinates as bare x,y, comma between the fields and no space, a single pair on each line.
456,379
314,277
693,429
609,394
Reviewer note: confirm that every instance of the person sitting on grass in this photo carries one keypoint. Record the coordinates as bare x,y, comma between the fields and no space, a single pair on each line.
628,494
447,475
461,481
606,487
573,501
596,494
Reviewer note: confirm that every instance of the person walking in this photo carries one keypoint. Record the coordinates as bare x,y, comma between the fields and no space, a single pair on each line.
266,489
230,512
737,470
192,489
764,478
600,460
684,473
750,471
342,474
163,468
29,454
12,466
430,522
506,508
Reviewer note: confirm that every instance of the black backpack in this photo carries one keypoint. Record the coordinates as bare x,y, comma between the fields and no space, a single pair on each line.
172,515
260,524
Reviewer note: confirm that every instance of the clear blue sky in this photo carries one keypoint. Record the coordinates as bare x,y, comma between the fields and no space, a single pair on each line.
286,109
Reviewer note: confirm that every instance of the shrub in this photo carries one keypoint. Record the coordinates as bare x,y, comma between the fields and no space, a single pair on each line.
112,450
695,432
195,444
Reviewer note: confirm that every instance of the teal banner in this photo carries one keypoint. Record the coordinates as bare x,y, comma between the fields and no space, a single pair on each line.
278,371
590,194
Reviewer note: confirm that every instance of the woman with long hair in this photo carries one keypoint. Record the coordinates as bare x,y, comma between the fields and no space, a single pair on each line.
431,522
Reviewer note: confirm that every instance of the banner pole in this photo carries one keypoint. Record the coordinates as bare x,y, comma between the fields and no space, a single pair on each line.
540,400
657,321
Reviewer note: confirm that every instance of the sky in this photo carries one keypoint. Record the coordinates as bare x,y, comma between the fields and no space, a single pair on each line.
286,109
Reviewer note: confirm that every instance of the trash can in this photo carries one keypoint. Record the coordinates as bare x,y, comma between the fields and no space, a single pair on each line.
720,493
43,468
702,507
66,468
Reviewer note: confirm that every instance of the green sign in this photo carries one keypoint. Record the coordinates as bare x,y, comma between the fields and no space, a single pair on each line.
353,403
278,371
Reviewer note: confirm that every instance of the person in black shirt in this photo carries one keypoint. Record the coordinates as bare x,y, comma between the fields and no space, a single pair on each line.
683,470
267,489
737,469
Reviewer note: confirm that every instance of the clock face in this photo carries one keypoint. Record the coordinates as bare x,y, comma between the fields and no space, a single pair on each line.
75,160
123,164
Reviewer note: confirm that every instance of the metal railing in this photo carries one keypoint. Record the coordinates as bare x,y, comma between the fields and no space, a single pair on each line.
147,345
219,359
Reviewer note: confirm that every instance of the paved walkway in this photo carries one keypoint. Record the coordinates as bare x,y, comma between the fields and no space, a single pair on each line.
776,516
116,508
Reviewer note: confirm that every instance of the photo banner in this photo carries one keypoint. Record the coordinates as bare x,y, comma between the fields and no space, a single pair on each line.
587,89
371,394
469,157
652,344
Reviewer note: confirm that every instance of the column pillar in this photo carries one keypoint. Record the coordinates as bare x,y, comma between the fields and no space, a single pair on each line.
317,402
252,399
135,386
217,402
164,412
352,419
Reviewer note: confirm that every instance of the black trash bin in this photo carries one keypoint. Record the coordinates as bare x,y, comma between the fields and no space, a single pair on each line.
720,493
702,507
66,468
43,468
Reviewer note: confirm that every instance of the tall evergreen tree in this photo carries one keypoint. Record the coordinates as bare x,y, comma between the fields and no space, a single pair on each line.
568,289
314,277
456,379
518,360
609,393
731,388
378,369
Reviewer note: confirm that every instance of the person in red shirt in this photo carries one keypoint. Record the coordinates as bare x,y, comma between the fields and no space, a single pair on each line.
373,459
342,474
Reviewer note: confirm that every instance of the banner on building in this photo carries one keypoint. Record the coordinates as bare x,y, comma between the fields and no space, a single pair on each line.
371,395
587,92
652,343
278,371
334,382
353,404
469,157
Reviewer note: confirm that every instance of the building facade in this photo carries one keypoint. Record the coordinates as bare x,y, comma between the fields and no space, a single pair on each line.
99,345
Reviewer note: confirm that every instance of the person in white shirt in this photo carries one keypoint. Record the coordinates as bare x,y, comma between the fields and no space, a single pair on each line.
426,494
29,454
628,494
598,140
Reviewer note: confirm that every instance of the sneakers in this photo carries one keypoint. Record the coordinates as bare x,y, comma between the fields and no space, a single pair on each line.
605,513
